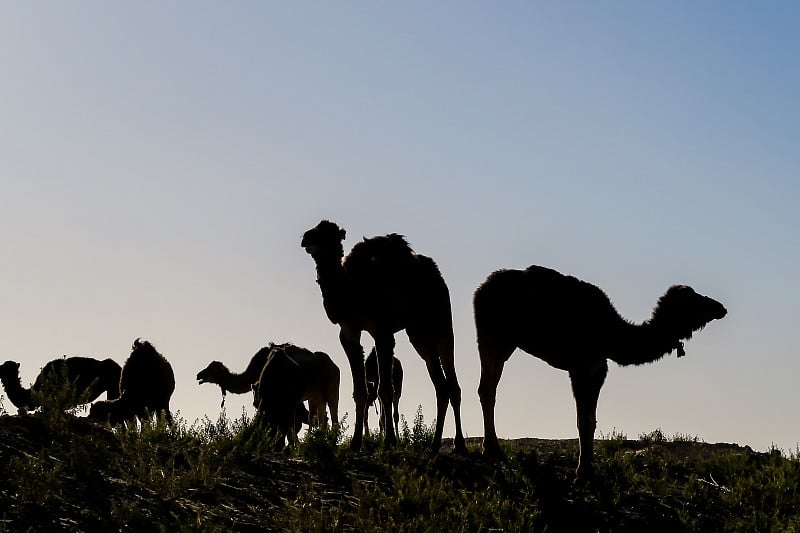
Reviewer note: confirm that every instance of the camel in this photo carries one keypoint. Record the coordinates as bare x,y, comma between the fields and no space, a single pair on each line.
371,369
383,287
146,386
573,326
277,395
320,379
87,378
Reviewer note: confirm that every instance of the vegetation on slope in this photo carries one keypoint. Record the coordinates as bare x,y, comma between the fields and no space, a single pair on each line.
63,472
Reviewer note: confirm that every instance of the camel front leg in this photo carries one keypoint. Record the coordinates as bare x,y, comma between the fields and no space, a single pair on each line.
586,385
351,342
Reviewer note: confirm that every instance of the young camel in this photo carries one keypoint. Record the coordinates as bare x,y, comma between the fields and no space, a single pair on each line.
383,287
86,377
146,386
371,370
572,325
277,394
320,380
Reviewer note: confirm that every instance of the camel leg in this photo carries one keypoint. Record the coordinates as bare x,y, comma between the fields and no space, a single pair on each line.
493,357
288,427
425,348
446,351
384,346
586,384
333,407
316,413
351,342
396,402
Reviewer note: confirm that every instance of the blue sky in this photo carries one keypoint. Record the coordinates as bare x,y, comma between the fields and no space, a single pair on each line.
160,163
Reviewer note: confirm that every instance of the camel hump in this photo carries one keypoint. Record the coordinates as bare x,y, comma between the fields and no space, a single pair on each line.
146,369
111,367
382,253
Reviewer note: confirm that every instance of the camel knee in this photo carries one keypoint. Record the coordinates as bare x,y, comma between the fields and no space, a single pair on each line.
487,394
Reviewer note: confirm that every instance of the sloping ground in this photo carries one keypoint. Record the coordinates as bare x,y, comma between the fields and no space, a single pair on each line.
66,474
83,477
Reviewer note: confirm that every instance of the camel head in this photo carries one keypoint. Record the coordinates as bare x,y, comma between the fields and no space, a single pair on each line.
140,345
682,311
212,373
324,239
9,370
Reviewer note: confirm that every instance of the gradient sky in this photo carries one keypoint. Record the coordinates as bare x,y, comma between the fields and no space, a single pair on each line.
159,163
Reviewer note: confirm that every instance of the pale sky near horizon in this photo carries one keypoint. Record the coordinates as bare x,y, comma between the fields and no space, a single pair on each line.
159,163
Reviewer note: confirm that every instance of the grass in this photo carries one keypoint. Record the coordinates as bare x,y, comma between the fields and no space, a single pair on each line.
62,472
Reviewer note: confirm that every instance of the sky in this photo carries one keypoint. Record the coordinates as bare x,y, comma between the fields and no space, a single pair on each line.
159,163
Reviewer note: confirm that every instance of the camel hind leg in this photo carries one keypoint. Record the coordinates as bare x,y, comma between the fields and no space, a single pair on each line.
493,357
332,395
333,407
396,403
586,384
439,358
384,346
316,413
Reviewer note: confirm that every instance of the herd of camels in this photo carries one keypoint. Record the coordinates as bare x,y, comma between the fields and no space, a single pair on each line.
382,287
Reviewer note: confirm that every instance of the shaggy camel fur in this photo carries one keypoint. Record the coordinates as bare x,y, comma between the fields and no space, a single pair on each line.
87,378
276,395
320,379
371,369
146,386
572,325
383,287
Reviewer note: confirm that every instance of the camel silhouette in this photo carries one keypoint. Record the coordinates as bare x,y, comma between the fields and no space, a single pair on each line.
277,395
87,378
320,379
371,369
146,386
573,326
383,287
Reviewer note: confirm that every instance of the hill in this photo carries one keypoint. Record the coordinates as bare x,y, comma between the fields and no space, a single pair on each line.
62,472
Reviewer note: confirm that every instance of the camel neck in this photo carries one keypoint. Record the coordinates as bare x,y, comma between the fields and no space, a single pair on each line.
17,394
330,278
238,383
640,344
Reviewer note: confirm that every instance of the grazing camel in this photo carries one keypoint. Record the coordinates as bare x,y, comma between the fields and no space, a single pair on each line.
86,377
383,287
277,394
320,379
371,369
146,386
572,325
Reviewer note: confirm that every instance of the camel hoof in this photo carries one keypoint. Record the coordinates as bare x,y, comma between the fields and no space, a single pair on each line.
583,476
460,447
492,452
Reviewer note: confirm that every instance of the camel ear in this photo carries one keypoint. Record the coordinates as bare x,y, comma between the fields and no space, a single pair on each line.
342,234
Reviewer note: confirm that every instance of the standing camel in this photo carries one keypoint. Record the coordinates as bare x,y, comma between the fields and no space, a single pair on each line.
383,287
146,386
277,396
371,368
320,380
572,325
